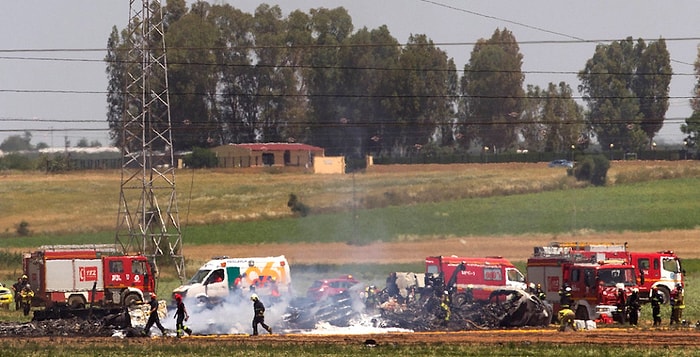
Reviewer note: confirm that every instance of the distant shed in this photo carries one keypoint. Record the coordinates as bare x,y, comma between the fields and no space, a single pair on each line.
267,154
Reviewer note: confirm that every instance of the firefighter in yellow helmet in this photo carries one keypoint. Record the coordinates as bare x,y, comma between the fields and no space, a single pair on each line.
27,294
566,319
677,305
258,315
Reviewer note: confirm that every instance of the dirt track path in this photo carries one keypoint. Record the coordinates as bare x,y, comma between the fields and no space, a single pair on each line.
688,337
515,248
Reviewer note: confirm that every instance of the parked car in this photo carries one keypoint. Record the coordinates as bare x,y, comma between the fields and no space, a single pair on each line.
330,287
7,297
561,163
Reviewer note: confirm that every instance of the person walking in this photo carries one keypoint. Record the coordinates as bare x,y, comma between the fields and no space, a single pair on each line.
180,317
258,315
17,288
153,317
677,305
656,300
27,294
633,307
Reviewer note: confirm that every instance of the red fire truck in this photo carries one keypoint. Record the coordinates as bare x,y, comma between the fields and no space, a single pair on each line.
662,269
594,283
480,275
75,276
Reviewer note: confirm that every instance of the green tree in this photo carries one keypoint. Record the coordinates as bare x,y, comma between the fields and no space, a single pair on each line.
201,158
625,85
326,91
651,85
553,121
17,143
692,124
116,73
492,88
422,103
192,78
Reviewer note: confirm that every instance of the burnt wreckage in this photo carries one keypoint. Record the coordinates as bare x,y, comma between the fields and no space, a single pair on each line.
434,306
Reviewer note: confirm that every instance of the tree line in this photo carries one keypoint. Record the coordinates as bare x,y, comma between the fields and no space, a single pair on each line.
236,77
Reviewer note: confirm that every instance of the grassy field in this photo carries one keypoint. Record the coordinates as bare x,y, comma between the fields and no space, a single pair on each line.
393,204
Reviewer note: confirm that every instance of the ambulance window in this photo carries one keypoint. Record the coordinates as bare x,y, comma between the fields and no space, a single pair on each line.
493,273
643,263
217,276
116,266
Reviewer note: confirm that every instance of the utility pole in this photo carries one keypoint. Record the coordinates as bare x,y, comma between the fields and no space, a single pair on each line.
148,220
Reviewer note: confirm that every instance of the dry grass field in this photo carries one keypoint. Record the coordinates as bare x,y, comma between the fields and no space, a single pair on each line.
87,201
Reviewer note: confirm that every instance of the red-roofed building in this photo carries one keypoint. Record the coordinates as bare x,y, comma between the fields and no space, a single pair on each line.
267,154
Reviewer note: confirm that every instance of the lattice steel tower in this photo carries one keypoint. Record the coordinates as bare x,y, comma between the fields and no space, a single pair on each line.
148,220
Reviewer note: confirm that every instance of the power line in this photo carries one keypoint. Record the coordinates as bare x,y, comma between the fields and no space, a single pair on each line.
575,38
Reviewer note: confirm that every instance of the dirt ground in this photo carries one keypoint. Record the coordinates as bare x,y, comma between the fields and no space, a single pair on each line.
515,248
688,337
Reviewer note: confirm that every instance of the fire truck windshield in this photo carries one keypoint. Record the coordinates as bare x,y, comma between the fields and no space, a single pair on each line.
671,264
614,276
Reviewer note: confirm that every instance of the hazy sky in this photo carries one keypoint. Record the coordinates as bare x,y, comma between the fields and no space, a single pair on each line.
60,94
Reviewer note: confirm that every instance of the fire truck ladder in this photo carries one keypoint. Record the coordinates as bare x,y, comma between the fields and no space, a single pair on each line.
148,221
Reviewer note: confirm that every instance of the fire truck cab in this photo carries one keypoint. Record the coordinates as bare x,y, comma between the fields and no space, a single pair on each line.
662,269
477,277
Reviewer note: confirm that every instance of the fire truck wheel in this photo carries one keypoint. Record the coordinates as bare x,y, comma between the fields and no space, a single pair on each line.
76,302
131,299
666,293
460,299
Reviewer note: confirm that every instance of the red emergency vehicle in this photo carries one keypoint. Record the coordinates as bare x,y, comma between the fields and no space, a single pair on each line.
75,276
478,276
662,269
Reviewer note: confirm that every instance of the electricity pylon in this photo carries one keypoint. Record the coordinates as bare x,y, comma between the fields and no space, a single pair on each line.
148,221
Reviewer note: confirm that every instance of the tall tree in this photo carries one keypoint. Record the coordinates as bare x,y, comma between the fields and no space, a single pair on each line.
116,74
492,87
327,92
692,124
553,120
616,82
651,85
421,103
192,78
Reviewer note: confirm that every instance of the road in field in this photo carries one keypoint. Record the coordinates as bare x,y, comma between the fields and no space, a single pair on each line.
515,248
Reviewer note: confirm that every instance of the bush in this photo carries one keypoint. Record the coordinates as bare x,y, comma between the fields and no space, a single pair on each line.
296,206
201,158
23,229
593,169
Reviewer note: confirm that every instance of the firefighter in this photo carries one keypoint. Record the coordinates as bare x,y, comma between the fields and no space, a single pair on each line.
371,300
17,287
274,290
622,305
677,305
180,317
445,307
540,293
565,299
259,315
633,307
153,317
26,295
566,319
656,300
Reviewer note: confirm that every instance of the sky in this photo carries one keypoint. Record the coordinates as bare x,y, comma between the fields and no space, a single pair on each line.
52,77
